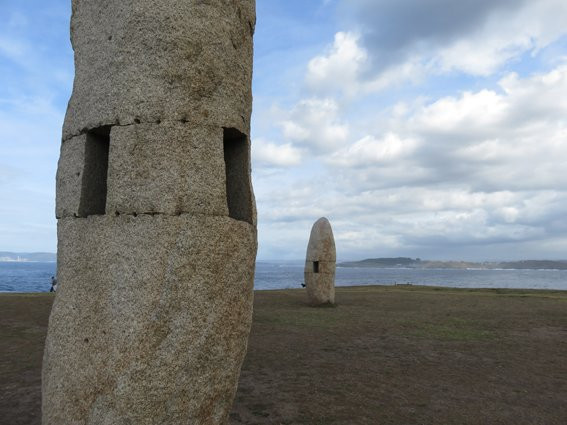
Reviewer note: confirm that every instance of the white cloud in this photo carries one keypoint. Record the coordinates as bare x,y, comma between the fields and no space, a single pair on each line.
314,123
416,220
479,168
480,110
486,140
474,172
272,154
506,35
339,69
404,42
345,70
370,150
411,71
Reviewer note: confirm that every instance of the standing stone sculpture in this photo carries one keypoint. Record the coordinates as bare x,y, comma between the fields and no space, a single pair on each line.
320,264
156,215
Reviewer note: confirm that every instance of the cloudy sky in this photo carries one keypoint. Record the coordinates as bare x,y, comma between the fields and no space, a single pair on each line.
423,128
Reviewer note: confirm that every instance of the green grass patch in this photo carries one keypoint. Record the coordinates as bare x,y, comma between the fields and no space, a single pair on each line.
305,317
453,330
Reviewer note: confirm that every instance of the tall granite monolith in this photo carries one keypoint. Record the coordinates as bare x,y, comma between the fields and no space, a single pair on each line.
320,264
156,215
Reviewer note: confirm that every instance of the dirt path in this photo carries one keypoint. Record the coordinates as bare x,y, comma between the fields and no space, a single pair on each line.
385,355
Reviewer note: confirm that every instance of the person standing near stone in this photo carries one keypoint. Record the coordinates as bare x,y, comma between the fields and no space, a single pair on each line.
156,215
320,264
53,284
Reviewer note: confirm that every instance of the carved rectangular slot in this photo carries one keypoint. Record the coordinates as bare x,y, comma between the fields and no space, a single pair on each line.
315,266
95,172
237,166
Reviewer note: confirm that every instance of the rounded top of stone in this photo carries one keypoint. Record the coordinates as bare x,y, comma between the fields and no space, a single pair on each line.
321,245
157,61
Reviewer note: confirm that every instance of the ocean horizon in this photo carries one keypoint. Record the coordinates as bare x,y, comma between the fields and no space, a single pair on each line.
29,277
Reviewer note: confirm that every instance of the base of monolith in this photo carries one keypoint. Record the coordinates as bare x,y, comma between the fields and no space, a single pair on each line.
151,320
320,286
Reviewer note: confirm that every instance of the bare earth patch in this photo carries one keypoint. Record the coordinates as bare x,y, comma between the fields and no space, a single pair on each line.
384,355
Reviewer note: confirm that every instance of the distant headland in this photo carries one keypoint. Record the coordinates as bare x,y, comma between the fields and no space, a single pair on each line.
26,257
417,263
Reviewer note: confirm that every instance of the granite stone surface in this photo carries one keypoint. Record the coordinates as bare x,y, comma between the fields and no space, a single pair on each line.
157,219
166,60
70,177
170,168
151,319
320,264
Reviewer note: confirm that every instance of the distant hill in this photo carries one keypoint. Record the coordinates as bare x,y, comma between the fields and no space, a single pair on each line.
534,264
404,262
383,262
46,257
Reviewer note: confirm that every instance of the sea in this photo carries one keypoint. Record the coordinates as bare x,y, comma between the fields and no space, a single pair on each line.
36,277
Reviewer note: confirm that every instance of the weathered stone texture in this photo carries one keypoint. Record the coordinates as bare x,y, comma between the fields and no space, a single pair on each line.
320,264
151,60
70,177
168,168
81,176
157,219
152,318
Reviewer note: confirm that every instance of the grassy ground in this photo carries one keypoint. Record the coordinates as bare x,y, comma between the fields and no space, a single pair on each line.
23,326
384,355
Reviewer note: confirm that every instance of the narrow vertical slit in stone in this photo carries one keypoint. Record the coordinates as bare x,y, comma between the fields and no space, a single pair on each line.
93,188
237,166
315,266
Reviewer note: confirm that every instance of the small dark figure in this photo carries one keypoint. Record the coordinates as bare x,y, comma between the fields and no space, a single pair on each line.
303,284
53,284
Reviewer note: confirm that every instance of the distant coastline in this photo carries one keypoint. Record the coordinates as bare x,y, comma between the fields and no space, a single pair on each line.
394,262
417,263
27,257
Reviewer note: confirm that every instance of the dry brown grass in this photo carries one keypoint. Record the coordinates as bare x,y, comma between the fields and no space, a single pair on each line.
384,355
23,326
407,356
